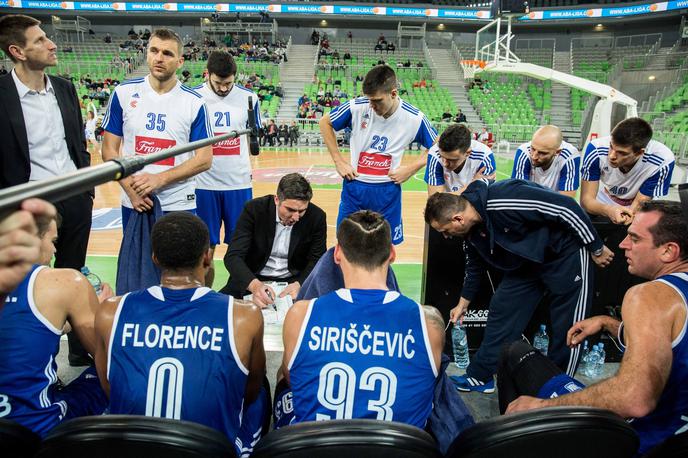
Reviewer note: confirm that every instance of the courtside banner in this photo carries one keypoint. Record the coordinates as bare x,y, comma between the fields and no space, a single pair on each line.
348,10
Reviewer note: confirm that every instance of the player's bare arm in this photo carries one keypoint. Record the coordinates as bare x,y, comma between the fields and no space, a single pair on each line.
111,150
103,326
146,183
248,335
649,312
290,333
330,138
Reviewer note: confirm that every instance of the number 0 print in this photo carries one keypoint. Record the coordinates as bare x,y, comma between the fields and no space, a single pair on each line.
166,374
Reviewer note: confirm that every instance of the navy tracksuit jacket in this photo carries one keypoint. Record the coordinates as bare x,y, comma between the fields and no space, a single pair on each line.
541,240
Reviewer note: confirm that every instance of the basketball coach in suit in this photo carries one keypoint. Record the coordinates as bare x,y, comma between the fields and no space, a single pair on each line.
42,135
277,238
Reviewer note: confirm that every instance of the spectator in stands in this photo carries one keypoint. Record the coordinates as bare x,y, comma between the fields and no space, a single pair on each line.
419,64
364,252
484,136
623,170
347,55
219,336
350,37
263,132
378,47
539,251
460,117
315,37
32,320
283,134
456,160
293,134
391,47
132,33
272,132
446,116
651,384
549,161
284,248
107,38
407,64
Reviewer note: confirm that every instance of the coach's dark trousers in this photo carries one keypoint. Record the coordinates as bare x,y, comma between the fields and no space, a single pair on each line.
569,282
71,246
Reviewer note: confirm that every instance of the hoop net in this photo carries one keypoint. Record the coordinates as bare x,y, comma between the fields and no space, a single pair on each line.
470,67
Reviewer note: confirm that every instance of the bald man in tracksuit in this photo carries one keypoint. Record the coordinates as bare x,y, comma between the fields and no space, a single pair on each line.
543,241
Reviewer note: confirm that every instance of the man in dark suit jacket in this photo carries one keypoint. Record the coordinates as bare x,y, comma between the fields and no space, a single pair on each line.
42,132
277,238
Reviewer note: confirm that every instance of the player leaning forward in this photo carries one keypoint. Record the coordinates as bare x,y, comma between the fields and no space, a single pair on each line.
382,126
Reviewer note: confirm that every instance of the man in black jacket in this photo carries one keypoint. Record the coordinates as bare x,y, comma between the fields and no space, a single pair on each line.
543,241
277,238
42,134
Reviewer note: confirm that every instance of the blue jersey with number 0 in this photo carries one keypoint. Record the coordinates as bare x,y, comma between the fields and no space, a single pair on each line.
172,354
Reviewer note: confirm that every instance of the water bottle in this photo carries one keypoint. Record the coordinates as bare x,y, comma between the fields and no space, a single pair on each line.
460,346
541,340
584,358
93,279
591,363
600,362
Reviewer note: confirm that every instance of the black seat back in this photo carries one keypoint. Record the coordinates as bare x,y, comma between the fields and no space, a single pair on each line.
134,436
347,439
674,447
16,440
564,432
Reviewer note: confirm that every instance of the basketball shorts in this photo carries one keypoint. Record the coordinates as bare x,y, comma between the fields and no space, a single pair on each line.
253,424
384,198
559,385
83,396
217,207
283,407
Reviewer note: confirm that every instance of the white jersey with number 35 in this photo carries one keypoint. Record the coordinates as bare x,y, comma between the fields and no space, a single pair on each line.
149,122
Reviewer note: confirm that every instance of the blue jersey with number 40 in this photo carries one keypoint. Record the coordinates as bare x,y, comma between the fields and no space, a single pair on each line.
172,354
363,354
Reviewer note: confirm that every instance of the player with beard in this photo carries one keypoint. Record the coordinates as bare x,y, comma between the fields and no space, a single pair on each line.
222,191
156,112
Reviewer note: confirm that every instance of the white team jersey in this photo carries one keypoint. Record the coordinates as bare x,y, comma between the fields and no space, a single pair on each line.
562,174
651,175
149,122
377,144
231,167
437,175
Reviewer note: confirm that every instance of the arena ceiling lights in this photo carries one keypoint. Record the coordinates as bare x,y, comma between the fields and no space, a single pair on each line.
347,10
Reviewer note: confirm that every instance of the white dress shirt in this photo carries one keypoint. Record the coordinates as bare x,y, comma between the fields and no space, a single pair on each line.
277,265
48,151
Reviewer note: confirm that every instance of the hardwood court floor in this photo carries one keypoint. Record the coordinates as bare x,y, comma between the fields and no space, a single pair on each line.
268,167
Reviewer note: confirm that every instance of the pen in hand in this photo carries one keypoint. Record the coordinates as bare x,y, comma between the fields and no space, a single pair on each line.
274,306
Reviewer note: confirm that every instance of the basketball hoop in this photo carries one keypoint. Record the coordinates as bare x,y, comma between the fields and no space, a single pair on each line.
470,67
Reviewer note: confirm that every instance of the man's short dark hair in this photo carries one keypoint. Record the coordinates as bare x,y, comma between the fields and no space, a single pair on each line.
365,238
380,79
633,132
13,31
442,206
166,35
179,240
455,137
294,186
43,224
221,63
672,225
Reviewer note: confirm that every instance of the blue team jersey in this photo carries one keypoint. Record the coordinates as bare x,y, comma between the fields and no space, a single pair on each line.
28,372
363,354
671,414
172,354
